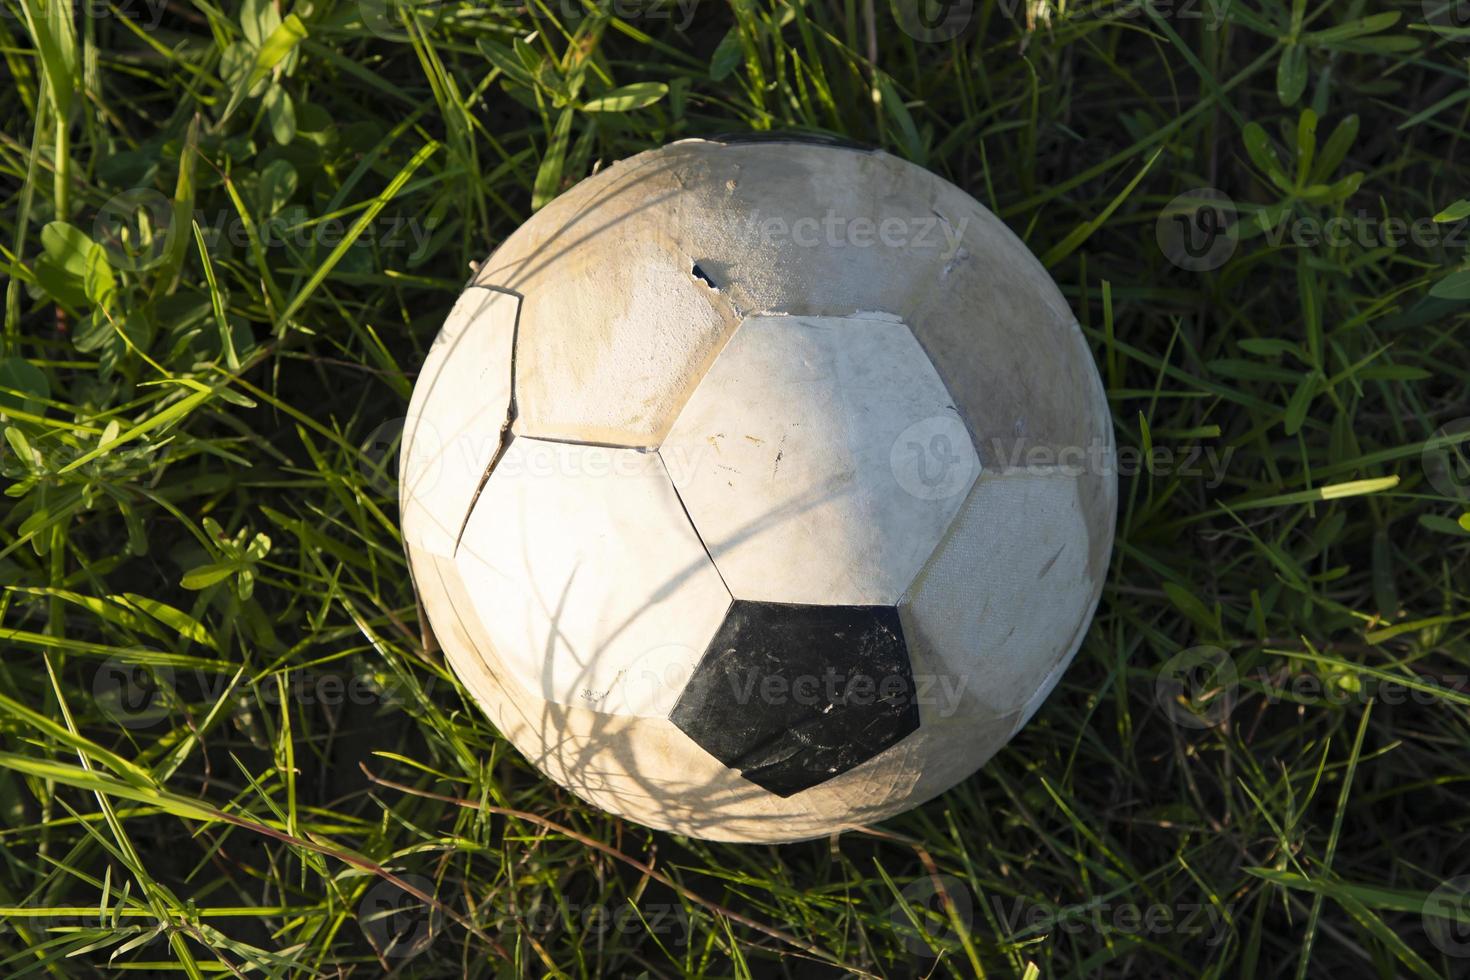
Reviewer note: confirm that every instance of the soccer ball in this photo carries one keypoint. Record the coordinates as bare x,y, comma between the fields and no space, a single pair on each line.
759,489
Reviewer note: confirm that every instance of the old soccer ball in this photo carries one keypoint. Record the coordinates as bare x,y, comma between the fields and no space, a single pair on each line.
759,489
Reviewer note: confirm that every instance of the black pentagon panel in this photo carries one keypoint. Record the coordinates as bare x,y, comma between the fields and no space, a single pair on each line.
792,695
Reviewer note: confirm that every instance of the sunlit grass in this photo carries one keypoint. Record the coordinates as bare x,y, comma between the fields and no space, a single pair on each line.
230,235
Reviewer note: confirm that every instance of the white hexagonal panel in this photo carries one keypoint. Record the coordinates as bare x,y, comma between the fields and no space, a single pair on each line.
592,585
612,339
1004,599
821,459
454,422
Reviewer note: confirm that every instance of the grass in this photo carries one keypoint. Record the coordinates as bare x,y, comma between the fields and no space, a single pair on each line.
230,233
